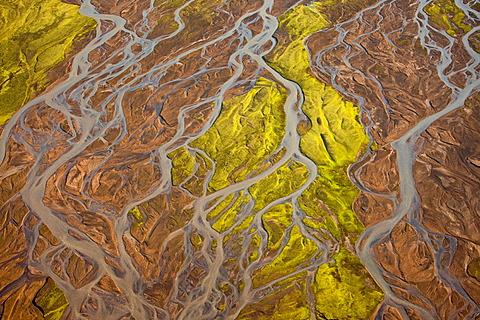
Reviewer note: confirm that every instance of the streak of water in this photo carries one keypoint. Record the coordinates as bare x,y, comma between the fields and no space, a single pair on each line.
91,121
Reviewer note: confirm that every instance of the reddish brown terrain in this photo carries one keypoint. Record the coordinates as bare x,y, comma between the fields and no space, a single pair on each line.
145,182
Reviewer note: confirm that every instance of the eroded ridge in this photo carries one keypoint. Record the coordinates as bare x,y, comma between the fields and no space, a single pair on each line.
411,77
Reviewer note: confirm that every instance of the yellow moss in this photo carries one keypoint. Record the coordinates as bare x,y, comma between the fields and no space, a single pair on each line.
135,213
241,286
183,165
448,16
249,128
36,36
314,224
290,303
293,306
298,250
333,141
5,117
204,165
275,221
281,183
302,21
196,240
229,216
256,240
322,6
170,3
51,301
473,268
344,290
248,131
253,256
335,193
244,225
221,206
335,137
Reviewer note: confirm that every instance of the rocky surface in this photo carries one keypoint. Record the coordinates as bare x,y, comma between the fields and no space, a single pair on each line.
193,161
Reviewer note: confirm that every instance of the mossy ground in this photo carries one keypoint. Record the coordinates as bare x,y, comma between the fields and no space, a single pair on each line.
344,291
248,131
137,216
51,300
36,36
447,15
473,268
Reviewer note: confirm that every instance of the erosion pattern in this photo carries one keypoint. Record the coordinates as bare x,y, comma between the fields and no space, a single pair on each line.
247,160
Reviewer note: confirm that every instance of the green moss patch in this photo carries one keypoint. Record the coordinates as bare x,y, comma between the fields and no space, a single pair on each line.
344,290
248,130
51,300
36,36
448,16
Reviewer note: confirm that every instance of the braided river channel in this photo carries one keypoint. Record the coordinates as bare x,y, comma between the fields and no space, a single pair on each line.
250,160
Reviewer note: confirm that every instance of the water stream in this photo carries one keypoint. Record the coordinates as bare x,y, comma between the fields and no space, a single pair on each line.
90,123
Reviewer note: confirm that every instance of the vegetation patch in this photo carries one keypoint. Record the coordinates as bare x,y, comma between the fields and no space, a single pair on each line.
288,303
333,141
344,290
297,251
248,130
183,165
36,36
137,215
447,15
276,221
51,301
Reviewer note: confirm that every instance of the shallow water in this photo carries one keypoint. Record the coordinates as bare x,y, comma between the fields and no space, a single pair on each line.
91,122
